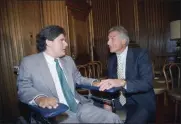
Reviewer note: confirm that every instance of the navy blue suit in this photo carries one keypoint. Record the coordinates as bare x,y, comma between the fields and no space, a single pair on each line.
139,77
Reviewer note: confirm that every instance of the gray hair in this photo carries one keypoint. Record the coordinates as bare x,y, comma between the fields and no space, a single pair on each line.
123,32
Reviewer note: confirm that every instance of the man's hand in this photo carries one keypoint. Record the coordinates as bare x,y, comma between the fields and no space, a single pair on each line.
49,102
110,83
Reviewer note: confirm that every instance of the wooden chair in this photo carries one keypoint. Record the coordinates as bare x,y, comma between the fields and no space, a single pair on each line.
160,88
158,79
159,61
95,70
174,91
167,76
84,70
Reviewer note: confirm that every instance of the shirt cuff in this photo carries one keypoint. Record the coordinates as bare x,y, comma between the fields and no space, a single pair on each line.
32,102
125,87
94,81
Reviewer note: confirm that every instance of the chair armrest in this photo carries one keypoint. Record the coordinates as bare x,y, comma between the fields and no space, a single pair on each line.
48,113
89,87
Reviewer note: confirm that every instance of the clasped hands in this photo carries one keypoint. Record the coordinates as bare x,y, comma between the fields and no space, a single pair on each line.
109,83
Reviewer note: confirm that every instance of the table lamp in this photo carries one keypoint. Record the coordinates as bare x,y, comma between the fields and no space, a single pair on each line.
175,34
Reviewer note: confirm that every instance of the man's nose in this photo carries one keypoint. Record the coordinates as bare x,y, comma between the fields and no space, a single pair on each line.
66,44
108,42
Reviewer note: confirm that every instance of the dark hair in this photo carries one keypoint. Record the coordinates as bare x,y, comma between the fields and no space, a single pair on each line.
48,33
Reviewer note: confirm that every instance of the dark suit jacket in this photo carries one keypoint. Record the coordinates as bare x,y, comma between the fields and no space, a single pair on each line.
139,77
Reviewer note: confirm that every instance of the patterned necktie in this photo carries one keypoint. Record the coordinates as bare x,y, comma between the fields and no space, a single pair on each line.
120,67
120,75
65,88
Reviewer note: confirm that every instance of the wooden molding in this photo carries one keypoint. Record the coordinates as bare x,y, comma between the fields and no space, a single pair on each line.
79,8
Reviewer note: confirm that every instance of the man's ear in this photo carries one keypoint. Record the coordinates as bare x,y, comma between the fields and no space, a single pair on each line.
123,42
48,42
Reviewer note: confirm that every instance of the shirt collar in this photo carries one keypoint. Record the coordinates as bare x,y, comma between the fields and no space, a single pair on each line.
49,58
122,53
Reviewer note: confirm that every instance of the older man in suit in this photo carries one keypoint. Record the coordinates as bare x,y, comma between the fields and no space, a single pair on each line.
130,69
50,76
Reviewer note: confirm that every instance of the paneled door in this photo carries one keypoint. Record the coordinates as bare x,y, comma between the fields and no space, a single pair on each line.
78,21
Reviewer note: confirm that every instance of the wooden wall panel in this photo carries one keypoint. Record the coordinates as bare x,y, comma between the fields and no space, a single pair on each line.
54,12
10,52
79,30
127,20
104,17
20,21
79,39
19,26
153,26
30,21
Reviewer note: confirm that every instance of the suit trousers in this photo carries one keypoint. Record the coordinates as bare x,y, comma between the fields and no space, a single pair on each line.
88,113
135,114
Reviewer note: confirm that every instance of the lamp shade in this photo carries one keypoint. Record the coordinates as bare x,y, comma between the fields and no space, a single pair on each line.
175,29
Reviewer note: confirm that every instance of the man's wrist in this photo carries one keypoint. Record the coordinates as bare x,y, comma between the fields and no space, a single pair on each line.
95,82
37,99
124,83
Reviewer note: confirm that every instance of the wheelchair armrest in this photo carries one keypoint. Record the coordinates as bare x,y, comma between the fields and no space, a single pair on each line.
48,113
89,87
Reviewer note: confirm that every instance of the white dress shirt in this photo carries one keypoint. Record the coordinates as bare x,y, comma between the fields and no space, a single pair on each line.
122,57
52,67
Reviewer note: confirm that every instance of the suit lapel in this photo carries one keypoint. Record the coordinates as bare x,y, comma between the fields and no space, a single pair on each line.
129,61
115,65
112,68
46,75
